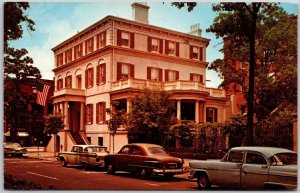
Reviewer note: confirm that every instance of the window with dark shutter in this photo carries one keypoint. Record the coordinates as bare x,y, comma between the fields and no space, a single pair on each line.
101,73
101,40
201,54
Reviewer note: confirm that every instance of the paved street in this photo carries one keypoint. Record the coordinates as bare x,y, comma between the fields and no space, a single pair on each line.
48,172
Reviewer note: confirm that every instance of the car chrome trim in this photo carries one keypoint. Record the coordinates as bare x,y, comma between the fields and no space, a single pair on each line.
168,171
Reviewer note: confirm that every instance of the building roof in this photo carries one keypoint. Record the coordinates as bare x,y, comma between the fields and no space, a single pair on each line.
109,17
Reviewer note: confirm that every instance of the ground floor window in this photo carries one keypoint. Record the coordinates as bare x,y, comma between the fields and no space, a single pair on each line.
100,141
188,111
211,114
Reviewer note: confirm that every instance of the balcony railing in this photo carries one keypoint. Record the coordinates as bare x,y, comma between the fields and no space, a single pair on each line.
173,85
70,91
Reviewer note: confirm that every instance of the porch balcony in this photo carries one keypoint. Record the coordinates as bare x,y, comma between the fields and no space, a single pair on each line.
69,91
172,85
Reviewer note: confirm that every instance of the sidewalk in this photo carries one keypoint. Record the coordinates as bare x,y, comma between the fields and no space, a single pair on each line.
49,156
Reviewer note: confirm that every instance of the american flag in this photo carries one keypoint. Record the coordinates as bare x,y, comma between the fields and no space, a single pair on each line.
42,94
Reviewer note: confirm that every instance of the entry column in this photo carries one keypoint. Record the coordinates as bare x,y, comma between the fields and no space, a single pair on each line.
197,111
178,109
66,115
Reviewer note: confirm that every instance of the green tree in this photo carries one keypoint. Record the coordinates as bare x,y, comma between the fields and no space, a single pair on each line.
153,112
14,17
16,69
53,124
16,63
264,36
117,118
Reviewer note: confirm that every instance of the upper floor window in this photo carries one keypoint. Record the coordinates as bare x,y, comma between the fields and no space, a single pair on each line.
68,55
101,40
101,111
59,59
155,45
125,71
89,113
89,77
101,73
171,75
125,38
194,52
196,77
89,45
78,81
68,81
154,74
59,84
211,114
172,48
78,51
201,54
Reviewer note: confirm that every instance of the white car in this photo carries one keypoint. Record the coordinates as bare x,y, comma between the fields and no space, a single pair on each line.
13,149
250,168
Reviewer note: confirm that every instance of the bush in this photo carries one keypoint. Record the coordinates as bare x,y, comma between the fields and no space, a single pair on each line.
11,183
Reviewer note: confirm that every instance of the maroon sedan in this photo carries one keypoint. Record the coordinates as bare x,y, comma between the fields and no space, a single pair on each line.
143,159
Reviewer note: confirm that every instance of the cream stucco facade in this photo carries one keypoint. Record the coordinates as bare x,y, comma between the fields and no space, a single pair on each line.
117,58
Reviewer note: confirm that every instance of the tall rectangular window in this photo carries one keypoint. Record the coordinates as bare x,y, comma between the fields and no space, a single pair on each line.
89,77
78,51
211,114
154,44
89,113
101,73
154,74
172,48
101,40
68,81
60,84
89,45
101,112
59,59
171,75
78,81
100,141
68,55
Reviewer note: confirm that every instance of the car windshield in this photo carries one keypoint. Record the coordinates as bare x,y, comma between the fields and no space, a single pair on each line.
97,149
287,158
157,150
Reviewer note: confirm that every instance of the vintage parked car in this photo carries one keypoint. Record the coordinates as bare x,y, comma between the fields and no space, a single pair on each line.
13,149
144,160
248,168
84,155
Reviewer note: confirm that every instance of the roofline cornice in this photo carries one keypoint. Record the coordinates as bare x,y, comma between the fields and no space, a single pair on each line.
114,18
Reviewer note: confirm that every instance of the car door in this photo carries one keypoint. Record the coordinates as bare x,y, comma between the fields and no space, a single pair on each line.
73,157
122,159
136,159
230,170
254,171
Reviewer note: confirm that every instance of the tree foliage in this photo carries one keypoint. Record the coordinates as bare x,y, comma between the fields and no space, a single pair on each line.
53,123
17,64
14,17
153,112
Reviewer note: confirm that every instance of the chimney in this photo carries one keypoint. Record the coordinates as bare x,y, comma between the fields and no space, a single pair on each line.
140,12
195,30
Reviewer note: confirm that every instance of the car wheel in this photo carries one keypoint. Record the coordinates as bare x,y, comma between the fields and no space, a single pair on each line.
143,173
203,182
169,175
110,169
85,166
63,163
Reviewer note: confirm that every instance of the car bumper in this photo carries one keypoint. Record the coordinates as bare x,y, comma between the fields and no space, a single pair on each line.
168,171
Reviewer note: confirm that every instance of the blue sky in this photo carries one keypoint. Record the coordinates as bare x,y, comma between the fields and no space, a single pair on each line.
55,22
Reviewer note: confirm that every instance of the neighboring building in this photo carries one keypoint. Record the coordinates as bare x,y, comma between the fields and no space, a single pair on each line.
114,59
30,118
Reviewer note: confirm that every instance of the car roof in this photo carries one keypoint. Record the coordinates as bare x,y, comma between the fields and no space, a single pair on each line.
146,145
85,146
267,151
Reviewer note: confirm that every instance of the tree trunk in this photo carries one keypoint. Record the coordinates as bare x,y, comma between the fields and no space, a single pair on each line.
250,99
54,150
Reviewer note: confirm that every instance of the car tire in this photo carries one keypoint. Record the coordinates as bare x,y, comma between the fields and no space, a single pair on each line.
85,166
143,173
168,175
203,182
110,169
63,163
